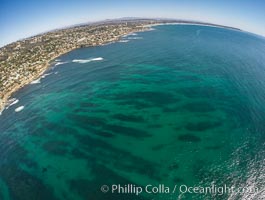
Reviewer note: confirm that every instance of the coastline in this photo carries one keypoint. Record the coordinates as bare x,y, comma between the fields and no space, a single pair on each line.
196,24
135,26
6,97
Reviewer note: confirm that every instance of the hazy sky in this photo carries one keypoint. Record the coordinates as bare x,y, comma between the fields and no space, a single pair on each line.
24,18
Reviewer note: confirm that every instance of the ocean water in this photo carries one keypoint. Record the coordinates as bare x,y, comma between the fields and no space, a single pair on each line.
179,106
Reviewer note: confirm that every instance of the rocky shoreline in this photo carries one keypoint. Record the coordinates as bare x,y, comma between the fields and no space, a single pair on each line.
26,60
125,29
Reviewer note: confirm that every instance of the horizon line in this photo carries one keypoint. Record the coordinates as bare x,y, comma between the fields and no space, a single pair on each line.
187,21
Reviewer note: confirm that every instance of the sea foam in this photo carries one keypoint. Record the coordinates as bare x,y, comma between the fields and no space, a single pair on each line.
39,79
60,63
124,41
18,109
133,34
130,34
134,38
35,81
87,60
44,75
11,102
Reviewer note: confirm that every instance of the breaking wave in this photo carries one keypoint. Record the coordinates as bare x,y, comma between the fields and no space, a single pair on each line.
87,60
60,63
35,81
124,41
11,102
20,108
130,34
39,79
134,38
44,75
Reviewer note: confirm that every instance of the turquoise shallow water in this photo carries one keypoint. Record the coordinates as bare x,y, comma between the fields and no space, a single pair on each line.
179,105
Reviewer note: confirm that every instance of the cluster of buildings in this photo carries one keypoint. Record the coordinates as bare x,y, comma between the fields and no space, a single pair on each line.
23,61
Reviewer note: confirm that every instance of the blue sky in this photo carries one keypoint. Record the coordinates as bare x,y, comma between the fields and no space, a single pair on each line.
24,18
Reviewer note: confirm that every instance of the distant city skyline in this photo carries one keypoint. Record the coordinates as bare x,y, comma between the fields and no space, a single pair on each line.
22,19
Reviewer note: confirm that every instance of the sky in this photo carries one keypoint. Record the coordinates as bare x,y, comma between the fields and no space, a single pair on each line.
24,18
